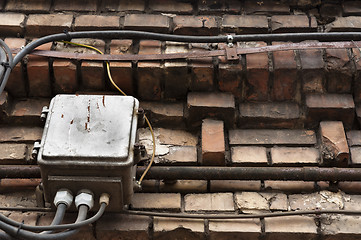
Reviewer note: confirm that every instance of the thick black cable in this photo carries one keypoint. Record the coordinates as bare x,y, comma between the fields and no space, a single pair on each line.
8,65
57,227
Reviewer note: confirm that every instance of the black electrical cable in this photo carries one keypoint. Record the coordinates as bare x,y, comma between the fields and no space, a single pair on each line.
7,66
56,227
59,216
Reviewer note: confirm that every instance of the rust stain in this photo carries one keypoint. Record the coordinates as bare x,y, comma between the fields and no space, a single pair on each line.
72,121
103,101
62,115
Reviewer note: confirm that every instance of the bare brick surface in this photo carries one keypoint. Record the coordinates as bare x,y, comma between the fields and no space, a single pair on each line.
213,142
45,24
195,25
295,227
164,114
183,186
341,227
28,112
123,5
180,155
276,201
79,6
234,185
313,74
13,153
96,22
209,202
111,226
218,6
245,24
65,76
354,138
265,137
335,150
293,23
181,228
93,75
355,155
11,24
28,6
351,8
251,202
330,107
230,78
321,200
215,105
146,22
172,6
289,186
350,187
268,115
267,7
342,24
170,201
20,134
298,155
234,229
249,155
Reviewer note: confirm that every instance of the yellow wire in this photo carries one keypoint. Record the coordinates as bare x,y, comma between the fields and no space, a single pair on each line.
120,90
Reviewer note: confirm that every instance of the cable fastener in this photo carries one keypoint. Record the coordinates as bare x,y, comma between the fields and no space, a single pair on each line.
230,40
63,196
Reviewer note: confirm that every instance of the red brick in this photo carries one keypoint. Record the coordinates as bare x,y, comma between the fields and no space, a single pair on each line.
230,78
354,138
149,76
339,72
329,107
123,5
202,76
93,75
39,79
234,185
195,25
8,185
355,156
65,76
235,229
96,22
209,202
266,8
77,6
213,142
28,111
245,24
45,24
19,199
11,24
169,201
147,22
171,6
184,186
268,115
28,6
330,10
250,156
335,151
358,113
112,226
20,134
295,156
212,105
16,83
13,154
313,74
293,23
177,137
294,227
345,24
5,105
175,228
357,83
350,187
272,137
217,6
351,8
289,186
179,155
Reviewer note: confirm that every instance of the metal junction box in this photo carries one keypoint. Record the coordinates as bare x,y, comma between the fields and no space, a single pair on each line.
88,143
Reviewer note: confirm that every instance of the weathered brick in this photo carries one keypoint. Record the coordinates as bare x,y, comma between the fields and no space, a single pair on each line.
123,5
230,78
65,76
322,200
169,201
176,80
289,186
294,227
353,138
335,150
93,75
177,137
245,24
268,115
213,142
295,156
78,6
356,88
20,134
11,24
355,155
249,156
28,6
195,25
350,187
266,8
201,76
351,202
351,8
339,72
276,201
175,228
257,78
179,155
209,202
171,6
340,227
234,229
13,153
345,24
27,112
29,218
251,202
39,78
45,24
330,10
216,6
19,199
293,23
329,107
16,82
111,226
213,105
96,22
234,185
164,114
272,137
147,22
184,186
358,113
5,105
313,74
11,185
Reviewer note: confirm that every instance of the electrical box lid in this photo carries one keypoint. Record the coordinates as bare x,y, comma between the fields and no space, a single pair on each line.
91,127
